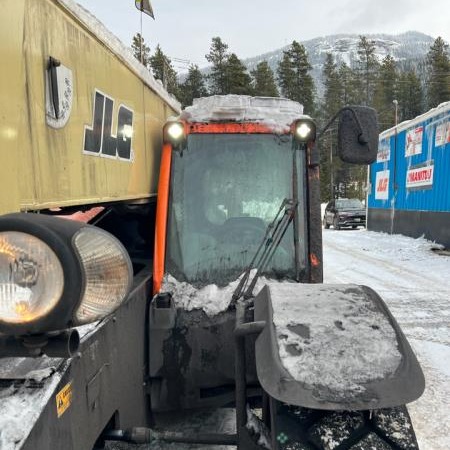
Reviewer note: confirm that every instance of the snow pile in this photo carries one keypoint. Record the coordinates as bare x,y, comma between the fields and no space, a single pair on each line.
211,298
336,428
396,425
276,113
21,406
119,49
333,336
258,429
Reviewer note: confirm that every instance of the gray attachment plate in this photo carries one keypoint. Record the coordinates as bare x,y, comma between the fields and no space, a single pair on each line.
350,353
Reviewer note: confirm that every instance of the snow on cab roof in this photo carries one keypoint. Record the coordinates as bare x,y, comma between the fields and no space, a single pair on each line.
277,113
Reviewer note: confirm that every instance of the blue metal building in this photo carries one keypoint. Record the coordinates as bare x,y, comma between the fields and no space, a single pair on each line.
410,181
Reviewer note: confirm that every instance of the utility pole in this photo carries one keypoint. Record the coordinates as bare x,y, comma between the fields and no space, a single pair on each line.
394,167
331,169
395,102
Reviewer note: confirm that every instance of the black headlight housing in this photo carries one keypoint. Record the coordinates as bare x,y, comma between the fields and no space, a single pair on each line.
86,256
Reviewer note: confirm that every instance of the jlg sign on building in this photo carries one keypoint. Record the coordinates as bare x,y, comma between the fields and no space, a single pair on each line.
382,185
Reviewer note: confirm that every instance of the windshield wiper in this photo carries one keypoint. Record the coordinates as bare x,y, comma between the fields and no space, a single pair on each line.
273,236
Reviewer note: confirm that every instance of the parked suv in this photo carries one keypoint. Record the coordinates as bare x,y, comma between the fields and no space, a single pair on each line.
345,212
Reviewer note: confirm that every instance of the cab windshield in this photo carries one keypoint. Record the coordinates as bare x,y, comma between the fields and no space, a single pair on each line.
225,190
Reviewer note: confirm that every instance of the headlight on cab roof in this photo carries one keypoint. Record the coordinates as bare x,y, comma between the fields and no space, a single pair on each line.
56,273
304,129
174,133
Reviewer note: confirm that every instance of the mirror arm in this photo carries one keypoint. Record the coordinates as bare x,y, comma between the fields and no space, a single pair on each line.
361,138
328,125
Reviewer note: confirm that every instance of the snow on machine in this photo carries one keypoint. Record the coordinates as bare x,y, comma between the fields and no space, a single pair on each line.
210,297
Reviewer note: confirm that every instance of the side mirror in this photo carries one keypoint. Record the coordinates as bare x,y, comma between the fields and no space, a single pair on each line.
358,135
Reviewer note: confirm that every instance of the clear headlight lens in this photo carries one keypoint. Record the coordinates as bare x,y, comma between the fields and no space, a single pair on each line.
108,273
175,131
303,131
31,278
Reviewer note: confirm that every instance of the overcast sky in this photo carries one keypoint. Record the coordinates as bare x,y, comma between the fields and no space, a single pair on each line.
184,28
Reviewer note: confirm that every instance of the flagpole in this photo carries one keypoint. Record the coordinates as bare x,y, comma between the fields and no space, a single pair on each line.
142,56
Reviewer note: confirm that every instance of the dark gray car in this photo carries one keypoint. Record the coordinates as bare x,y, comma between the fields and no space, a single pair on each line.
345,212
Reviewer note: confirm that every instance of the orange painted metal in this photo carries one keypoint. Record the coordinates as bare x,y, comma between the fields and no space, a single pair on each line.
230,127
161,217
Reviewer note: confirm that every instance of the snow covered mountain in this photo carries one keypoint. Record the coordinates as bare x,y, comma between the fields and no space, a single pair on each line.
408,49
408,46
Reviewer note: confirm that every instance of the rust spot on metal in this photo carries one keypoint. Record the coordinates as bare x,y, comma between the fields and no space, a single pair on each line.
314,259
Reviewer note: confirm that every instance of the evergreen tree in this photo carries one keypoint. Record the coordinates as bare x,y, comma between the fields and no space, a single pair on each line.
350,86
332,102
438,62
367,66
333,88
409,96
264,81
294,78
162,70
218,57
237,80
141,51
193,86
386,92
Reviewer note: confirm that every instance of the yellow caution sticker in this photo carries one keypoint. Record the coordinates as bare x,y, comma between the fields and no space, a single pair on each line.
64,399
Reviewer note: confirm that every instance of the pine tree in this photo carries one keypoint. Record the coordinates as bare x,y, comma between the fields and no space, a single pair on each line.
264,81
409,96
367,66
295,81
162,70
332,102
333,88
438,62
350,87
386,92
237,80
218,57
193,86
141,51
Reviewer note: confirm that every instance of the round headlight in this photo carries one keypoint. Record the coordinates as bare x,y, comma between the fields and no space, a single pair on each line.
175,130
107,271
57,273
31,278
305,130
174,133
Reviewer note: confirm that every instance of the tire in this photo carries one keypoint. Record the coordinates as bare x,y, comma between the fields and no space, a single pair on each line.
326,224
308,429
336,224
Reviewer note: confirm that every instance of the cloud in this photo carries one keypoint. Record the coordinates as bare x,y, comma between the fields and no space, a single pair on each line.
368,15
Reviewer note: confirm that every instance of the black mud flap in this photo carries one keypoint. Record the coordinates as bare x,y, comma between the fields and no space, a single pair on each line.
333,347
297,428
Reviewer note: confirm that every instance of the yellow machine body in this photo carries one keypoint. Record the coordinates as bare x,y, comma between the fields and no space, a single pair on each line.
45,122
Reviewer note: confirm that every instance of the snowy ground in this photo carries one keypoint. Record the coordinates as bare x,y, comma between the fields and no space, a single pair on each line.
415,283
